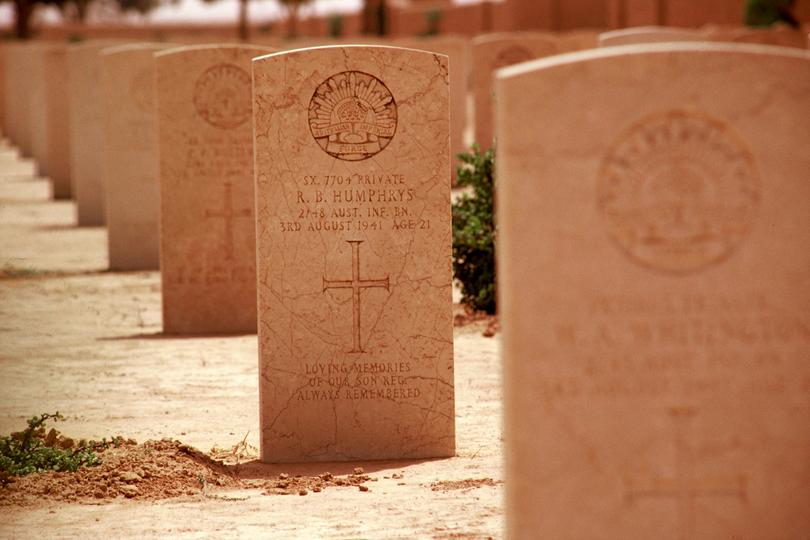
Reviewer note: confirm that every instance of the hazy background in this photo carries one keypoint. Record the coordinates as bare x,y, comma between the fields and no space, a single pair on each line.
198,11
221,10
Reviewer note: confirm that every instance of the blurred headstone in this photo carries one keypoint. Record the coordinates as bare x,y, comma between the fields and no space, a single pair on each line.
207,220
86,130
649,34
19,75
491,52
132,193
50,115
654,247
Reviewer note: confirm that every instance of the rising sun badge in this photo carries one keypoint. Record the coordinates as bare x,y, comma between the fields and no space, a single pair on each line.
679,191
352,116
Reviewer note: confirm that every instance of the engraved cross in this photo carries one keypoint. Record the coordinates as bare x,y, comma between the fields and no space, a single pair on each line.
356,285
228,214
685,487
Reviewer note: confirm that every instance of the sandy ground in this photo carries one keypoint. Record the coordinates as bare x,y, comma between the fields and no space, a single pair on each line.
87,342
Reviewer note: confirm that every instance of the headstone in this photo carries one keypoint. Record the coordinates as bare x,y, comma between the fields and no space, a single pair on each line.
780,35
10,110
3,127
131,168
457,50
649,34
654,247
579,40
353,251
86,131
492,52
207,221
18,94
50,115
58,111
38,106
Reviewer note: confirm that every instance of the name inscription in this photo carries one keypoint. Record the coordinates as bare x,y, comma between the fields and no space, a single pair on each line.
683,345
354,203
224,157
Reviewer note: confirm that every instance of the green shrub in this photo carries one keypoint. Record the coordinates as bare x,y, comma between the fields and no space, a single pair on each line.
433,19
474,231
335,26
32,450
762,13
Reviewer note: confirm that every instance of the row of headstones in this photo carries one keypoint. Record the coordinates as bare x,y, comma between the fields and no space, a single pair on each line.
475,61
654,254
52,86
349,238
40,126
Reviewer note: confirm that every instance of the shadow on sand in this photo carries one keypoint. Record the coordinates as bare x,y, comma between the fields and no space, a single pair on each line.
163,335
256,470
11,272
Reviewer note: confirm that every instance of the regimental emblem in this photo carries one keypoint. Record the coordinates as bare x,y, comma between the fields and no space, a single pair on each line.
513,54
352,116
679,191
222,96
141,89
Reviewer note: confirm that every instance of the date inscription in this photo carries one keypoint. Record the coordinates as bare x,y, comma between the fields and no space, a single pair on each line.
354,203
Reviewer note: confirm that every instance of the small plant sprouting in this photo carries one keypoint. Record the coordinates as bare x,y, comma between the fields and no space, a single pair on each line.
33,450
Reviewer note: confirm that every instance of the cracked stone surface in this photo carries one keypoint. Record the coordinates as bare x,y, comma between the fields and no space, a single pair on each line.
657,381
207,231
353,208
457,50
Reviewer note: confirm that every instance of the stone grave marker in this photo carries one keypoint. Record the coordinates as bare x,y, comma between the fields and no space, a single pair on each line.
353,245
491,52
50,115
38,106
578,40
780,35
3,126
207,223
132,193
654,247
87,131
19,74
649,34
9,91
11,111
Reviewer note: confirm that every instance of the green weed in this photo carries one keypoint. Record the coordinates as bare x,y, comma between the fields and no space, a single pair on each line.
35,450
